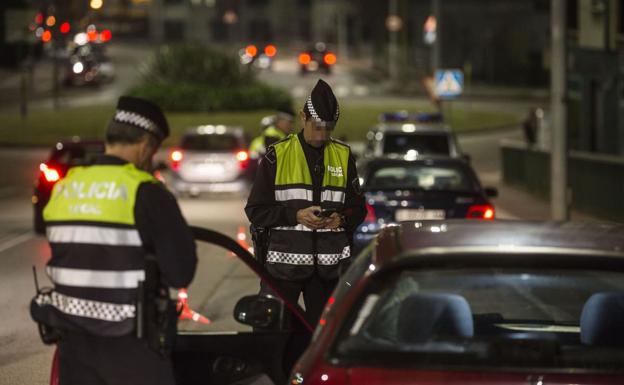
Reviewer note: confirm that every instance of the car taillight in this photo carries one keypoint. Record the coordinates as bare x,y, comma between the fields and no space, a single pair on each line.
305,58
329,58
480,212
370,214
270,50
176,157
243,159
251,50
50,174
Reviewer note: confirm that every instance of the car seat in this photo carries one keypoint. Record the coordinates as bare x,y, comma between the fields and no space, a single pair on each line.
433,316
602,320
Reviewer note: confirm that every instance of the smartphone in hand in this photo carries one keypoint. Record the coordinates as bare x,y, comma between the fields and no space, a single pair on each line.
326,213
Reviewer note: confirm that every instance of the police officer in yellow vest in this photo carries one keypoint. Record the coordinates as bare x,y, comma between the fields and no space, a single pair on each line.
278,130
105,222
299,178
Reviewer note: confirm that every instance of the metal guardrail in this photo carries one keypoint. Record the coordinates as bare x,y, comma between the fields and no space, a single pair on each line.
596,180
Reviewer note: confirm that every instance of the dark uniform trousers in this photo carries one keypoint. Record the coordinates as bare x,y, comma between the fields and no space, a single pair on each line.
93,360
315,290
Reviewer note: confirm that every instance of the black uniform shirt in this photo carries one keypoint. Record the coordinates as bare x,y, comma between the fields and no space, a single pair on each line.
163,230
263,210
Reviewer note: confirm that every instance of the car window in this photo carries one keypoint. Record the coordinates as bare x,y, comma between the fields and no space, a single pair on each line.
77,155
492,317
418,143
420,176
210,143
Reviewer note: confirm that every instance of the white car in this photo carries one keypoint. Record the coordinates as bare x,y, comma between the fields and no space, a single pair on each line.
411,136
209,158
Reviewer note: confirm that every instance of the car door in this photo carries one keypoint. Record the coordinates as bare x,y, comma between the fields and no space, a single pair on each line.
225,351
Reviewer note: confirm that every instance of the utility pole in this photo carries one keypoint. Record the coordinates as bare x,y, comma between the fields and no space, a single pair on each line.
559,142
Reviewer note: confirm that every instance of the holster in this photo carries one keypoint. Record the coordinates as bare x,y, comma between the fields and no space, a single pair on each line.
49,333
156,315
260,237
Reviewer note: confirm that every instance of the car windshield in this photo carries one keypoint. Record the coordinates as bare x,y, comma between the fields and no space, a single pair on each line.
416,143
420,176
222,142
491,317
77,155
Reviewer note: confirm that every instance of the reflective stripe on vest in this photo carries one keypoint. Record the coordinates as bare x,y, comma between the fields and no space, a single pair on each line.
292,194
95,235
84,308
128,279
301,227
307,259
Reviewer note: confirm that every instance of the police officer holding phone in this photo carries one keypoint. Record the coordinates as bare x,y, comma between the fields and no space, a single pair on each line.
307,193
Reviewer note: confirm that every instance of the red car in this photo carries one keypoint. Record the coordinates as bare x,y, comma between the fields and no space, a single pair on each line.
467,302
435,302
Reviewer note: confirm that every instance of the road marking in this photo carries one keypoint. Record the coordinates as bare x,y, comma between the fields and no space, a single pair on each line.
16,241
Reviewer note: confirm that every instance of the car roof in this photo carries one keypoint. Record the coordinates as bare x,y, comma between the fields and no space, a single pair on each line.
408,239
427,159
412,127
77,141
215,129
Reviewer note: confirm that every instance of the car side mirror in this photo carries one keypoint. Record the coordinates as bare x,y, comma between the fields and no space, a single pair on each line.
491,192
466,157
259,311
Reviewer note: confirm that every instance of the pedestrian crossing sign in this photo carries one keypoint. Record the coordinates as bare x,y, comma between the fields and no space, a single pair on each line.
448,83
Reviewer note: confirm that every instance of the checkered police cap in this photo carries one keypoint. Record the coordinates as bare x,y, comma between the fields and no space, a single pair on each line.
142,114
321,105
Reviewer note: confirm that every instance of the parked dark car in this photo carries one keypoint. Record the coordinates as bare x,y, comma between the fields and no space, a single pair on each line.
317,58
64,155
422,189
210,158
411,135
435,302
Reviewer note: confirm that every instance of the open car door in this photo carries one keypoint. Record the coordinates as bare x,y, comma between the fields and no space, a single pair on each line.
250,338
236,336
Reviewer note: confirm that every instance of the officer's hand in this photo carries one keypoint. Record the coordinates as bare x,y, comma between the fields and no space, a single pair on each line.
333,221
308,218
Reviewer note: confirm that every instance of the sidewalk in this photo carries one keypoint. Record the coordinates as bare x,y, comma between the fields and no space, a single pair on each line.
515,203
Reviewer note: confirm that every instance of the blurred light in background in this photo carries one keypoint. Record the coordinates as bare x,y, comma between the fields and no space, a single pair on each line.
65,27
81,38
251,50
46,36
96,4
230,17
270,50
50,21
106,35
304,58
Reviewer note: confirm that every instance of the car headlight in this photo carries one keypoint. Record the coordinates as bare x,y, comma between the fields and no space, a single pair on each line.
78,67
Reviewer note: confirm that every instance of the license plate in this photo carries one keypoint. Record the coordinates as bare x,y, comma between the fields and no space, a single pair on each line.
210,168
418,214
